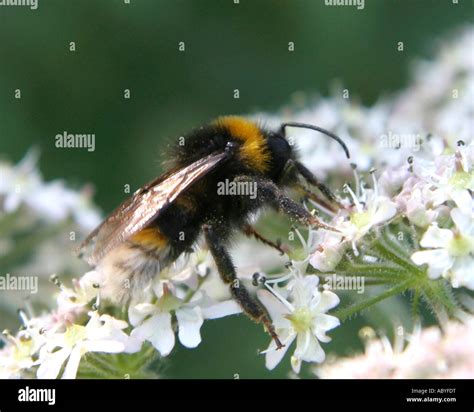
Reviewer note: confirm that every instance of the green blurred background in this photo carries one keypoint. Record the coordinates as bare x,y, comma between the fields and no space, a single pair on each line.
228,46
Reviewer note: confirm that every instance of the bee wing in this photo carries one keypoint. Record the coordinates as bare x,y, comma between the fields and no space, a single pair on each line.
145,205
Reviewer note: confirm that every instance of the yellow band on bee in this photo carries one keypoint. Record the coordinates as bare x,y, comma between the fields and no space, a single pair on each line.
254,150
150,237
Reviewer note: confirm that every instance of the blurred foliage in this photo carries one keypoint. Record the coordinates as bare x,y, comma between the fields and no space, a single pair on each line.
228,46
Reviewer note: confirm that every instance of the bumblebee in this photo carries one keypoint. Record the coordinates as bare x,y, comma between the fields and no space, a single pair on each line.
167,216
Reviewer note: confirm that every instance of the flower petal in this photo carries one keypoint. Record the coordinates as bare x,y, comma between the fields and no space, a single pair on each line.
190,321
308,348
321,324
70,371
221,309
463,200
273,356
438,261
304,290
462,273
327,300
462,221
158,331
51,363
327,259
163,339
275,308
139,312
435,237
385,211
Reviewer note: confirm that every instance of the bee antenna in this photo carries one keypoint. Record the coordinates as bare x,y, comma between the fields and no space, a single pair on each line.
318,129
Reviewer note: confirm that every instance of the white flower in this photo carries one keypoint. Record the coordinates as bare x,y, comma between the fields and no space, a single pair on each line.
427,353
50,200
414,201
417,211
102,333
153,321
454,179
22,184
370,210
16,182
16,358
300,262
450,252
187,270
303,318
393,179
84,291
20,350
329,251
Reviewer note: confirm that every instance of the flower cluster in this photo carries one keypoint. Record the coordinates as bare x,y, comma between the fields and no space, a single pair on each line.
56,342
433,192
421,145
39,223
425,354
22,186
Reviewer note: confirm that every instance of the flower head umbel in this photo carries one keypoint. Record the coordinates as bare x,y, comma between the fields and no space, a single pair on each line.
302,317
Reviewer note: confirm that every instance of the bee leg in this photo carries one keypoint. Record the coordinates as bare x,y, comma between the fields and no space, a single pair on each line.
251,307
269,193
312,180
308,194
250,231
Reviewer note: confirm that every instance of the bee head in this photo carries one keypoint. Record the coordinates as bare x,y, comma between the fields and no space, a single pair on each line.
259,150
284,157
280,152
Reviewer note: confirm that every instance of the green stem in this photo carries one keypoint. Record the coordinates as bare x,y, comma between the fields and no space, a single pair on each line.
415,304
99,365
379,273
390,255
347,312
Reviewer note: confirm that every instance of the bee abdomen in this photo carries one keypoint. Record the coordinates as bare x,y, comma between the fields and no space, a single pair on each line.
128,270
